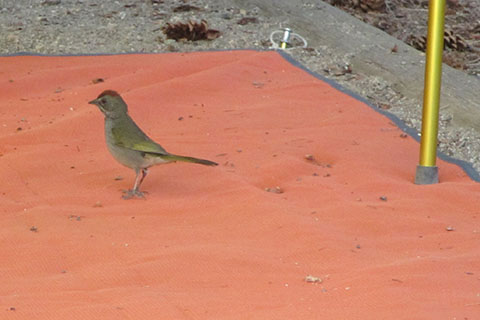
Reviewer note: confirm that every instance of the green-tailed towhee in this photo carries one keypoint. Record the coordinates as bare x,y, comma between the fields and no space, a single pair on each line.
129,145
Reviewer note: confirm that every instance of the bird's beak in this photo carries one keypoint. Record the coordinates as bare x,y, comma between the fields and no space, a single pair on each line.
99,106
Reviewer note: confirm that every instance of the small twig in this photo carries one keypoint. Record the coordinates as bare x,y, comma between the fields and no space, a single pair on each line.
472,304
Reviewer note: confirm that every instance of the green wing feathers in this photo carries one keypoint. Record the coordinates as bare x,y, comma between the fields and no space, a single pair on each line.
133,138
173,157
128,135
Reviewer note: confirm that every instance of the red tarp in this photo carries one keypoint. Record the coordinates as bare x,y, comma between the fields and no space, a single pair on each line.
211,242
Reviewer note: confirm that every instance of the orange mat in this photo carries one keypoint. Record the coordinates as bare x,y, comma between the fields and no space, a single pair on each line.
346,235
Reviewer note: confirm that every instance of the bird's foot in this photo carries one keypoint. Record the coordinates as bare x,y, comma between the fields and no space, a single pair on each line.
128,194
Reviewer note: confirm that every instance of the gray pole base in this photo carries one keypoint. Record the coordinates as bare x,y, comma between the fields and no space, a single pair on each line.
426,175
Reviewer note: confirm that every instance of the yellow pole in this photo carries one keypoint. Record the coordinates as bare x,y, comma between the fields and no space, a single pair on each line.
427,172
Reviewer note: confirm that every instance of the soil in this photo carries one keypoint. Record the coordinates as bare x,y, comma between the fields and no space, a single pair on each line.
407,20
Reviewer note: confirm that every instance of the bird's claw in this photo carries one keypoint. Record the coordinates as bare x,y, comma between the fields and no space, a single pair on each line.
128,194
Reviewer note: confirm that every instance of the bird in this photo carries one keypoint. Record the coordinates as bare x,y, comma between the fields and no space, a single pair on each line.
129,145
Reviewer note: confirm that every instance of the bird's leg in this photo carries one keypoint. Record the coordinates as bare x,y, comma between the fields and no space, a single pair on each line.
144,174
140,175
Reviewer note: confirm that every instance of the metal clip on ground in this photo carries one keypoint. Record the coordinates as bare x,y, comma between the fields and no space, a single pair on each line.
286,39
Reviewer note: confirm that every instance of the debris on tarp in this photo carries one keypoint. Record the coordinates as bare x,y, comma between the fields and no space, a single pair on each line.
313,279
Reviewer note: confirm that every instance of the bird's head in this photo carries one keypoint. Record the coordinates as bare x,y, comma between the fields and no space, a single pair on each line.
111,104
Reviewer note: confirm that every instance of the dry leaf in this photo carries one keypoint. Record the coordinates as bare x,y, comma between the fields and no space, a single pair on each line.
185,8
277,189
191,31
247,20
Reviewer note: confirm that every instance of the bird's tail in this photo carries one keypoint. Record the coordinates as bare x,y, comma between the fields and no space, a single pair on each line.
173,157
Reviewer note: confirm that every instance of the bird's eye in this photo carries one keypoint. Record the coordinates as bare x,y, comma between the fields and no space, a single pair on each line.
103,101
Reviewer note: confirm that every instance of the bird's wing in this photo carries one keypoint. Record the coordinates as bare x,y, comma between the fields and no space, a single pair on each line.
130,136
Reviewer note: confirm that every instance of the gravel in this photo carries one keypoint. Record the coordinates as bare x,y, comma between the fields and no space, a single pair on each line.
94,26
